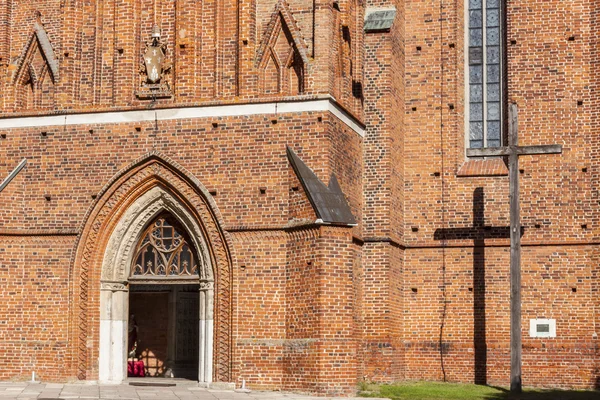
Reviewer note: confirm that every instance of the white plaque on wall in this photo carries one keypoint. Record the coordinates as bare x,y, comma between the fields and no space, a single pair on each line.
542,328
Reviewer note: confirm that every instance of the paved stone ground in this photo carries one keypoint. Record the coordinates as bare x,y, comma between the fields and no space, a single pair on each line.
55,391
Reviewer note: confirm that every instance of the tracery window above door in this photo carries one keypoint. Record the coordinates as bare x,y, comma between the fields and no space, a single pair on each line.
165,252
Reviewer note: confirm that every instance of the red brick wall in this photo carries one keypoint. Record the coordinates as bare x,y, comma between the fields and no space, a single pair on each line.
548,74
337,346
382,251
260,295
302,311
35,309
462,326
60,165
403,295
237,158
213,50
320,353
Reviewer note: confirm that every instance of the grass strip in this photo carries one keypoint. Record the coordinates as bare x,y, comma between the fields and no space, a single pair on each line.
455,391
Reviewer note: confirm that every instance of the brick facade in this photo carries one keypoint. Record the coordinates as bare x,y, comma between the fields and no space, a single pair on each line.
418,290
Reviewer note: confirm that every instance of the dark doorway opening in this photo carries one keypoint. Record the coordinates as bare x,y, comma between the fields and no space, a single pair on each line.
163,327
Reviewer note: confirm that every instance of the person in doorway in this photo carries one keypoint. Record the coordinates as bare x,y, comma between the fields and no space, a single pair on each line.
135,367
132,335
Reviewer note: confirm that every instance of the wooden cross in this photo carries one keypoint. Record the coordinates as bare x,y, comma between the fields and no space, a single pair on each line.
513,151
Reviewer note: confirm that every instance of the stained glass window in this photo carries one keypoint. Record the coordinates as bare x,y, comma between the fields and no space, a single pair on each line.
484,36
165,251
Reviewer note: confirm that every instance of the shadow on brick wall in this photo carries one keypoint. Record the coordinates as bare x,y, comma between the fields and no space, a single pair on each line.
478,232
479,337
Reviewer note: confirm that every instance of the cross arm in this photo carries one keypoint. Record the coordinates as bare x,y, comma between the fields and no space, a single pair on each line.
542,149
519,150
489,152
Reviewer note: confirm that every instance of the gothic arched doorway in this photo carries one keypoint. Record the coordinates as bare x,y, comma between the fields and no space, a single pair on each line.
157,267
163,337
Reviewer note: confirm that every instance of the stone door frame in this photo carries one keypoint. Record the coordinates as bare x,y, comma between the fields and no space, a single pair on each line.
114,292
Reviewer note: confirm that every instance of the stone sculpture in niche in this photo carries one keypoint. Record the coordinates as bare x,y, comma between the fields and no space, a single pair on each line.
155,69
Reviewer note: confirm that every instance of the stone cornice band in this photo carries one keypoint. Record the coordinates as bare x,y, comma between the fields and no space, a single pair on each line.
166,114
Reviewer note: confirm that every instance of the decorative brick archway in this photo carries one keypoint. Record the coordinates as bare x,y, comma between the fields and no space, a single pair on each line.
136,195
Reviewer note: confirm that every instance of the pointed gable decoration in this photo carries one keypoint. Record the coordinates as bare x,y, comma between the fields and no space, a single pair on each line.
281,19
329,203
282,59
39,39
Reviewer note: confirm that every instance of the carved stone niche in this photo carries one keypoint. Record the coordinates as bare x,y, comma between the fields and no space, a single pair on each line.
155,69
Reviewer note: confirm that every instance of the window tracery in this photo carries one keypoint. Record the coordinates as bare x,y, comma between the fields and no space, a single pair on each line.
165,251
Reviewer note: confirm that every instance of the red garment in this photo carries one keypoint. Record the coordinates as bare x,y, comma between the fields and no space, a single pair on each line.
135,369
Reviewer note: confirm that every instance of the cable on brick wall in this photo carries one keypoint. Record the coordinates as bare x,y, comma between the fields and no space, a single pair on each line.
443,192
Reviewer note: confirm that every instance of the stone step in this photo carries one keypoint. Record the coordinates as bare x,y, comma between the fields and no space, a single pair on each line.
160,382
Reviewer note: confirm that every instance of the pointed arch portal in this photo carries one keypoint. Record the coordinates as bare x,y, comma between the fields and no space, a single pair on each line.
118,271
155,197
